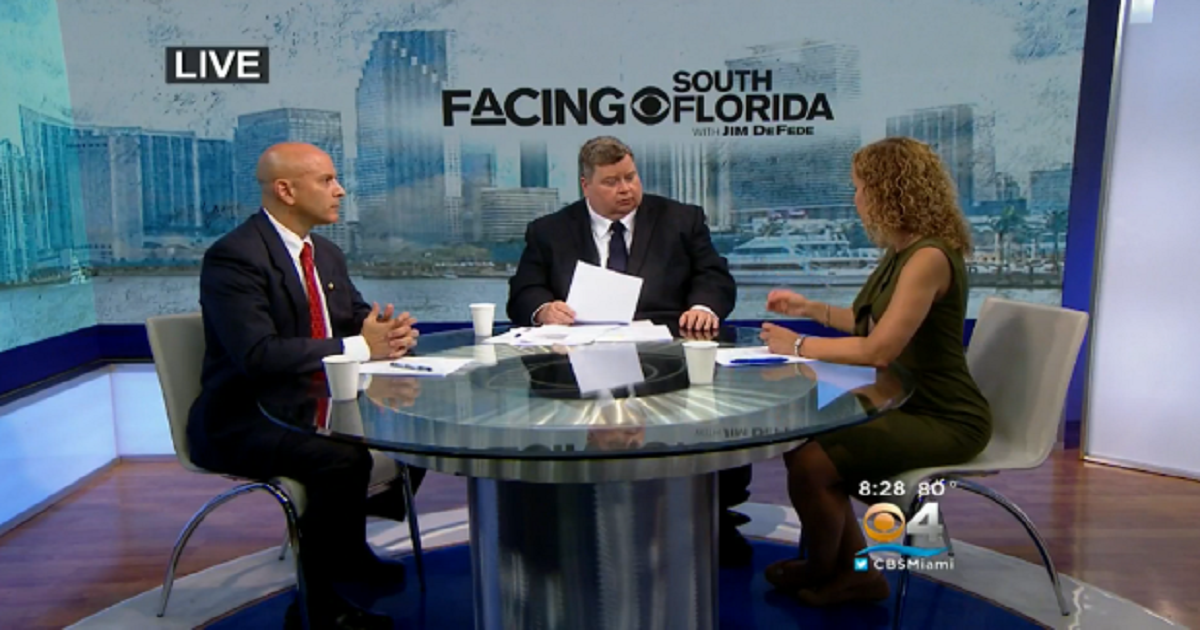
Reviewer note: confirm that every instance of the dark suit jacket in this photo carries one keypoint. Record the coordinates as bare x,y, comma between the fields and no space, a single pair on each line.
256,328
672,251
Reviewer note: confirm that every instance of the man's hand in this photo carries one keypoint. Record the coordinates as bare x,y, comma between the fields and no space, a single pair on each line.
788,303
389,337
698,319
779,340
556,312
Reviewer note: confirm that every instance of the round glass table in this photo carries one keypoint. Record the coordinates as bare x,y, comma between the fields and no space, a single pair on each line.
592,469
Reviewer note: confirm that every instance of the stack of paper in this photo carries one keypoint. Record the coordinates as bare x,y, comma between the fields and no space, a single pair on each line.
414,366
636,334
602,296
550,335
758,355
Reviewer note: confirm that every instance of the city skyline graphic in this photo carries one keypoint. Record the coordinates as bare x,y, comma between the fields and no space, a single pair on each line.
134,176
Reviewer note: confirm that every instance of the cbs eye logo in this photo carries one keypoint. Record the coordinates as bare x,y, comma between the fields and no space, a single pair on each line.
883,522
650,105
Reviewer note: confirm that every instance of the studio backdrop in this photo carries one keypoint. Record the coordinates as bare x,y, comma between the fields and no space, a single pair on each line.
129,132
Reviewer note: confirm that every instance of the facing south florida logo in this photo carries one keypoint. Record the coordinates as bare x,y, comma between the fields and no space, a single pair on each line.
745,100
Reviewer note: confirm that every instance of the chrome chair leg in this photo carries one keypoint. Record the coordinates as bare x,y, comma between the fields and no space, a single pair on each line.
1012,508
191,526
414,530
287,540
946,542
293,533
902,590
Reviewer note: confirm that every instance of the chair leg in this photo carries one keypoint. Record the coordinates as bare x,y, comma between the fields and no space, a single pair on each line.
191,526
1012,508
293,533
287,540
902,591
414,530
946,537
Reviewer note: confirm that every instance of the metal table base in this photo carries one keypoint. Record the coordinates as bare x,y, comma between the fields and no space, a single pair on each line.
593,556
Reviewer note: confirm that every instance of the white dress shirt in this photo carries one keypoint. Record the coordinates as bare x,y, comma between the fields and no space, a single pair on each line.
356,347
602,235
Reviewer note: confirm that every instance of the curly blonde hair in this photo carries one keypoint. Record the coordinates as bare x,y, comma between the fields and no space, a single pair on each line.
909,191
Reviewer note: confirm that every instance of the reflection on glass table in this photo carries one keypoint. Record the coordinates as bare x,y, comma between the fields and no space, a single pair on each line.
610,439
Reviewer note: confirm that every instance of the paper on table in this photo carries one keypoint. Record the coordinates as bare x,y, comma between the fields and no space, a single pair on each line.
606,367
551,335
602,296
726,356
414,366
636,333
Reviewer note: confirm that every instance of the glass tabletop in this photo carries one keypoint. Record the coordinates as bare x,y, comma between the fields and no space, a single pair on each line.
596,401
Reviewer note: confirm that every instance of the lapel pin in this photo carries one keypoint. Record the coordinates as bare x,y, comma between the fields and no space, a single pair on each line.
330,286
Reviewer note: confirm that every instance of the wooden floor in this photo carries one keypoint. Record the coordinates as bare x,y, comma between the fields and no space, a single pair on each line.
1130,533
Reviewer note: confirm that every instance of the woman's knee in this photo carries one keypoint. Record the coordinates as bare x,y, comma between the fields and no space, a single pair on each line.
810,465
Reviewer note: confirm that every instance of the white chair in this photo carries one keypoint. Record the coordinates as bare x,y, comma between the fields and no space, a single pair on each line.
177,345
1022,357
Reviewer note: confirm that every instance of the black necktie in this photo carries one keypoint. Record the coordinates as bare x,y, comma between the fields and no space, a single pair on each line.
618,256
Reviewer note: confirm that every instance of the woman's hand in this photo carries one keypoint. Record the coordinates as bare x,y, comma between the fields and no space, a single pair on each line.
787,303
779,340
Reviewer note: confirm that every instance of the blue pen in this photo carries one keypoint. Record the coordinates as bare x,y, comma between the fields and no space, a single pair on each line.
760,361
411,366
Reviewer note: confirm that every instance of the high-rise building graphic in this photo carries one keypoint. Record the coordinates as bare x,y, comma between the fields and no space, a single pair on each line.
535,165
1050,190
406,170
508,211
54,224
170,195
812,173
218,200
14,184
686,172
963,138
113,186
257,131
478,173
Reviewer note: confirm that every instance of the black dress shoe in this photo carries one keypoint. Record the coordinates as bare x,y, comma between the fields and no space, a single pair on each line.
389,504
733,550
736,519
336,615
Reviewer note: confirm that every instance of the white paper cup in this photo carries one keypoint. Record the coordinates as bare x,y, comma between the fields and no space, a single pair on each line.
342,373
701,360
483,316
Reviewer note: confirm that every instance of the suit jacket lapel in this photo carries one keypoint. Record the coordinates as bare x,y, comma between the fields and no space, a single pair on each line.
643,233
583,232
287,270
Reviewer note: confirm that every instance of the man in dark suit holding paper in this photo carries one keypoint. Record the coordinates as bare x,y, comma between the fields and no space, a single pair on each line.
276,299
686,283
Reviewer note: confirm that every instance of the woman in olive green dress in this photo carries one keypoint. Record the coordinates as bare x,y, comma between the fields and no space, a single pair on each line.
910,311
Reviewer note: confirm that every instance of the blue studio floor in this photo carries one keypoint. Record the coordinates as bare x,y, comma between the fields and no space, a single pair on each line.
747,601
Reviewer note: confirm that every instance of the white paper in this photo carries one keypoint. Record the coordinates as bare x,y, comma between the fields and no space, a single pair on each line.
726,356
606,366
603,296
552,335
413,366
636,333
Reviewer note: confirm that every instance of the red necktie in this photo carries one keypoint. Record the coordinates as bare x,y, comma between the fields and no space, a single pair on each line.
316,317
316,314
